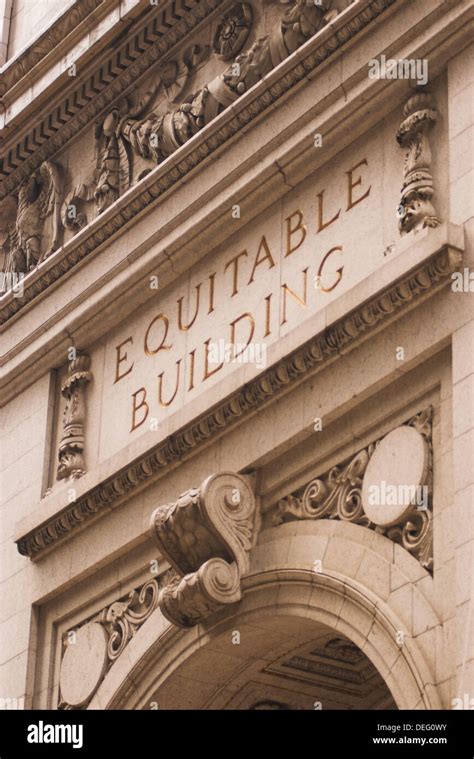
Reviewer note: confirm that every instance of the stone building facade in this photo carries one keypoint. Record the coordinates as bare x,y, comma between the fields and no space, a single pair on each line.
237,354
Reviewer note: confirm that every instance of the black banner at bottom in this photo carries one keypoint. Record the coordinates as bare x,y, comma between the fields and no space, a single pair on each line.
85,733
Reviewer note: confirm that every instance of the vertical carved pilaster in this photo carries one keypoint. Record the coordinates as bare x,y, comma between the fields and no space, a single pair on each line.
416,210
71,445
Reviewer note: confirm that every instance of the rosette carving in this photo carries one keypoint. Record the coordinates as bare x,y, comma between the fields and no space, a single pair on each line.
232,32
206,536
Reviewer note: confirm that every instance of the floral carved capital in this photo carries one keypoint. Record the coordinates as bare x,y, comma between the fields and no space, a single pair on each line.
206,535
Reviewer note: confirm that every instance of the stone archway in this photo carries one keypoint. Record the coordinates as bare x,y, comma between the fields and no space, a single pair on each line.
279,660
288,618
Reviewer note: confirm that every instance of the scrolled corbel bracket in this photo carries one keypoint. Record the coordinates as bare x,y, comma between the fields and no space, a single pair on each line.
206,535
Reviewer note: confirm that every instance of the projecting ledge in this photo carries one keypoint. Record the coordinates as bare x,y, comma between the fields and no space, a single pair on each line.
418,266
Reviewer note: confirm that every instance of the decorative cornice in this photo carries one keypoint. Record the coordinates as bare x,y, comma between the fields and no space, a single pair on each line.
12,72
305,360
187,157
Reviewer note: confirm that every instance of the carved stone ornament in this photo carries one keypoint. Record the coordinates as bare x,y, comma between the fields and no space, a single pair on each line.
416,210
73,211
232,32
71,445
206,536
123,618
126,131
30,223
129,62
90,649
115,143
392,478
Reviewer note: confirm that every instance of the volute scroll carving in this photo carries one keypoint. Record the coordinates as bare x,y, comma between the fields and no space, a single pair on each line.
206,535
92,646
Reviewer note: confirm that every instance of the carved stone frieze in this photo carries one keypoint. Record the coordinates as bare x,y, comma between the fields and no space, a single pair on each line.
206,535
9,236
159,134
232,32
126,130
416,210
113,165
30,222
189,116
73,211
313,354
161,30
71,446
176,75
339,494
90,649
